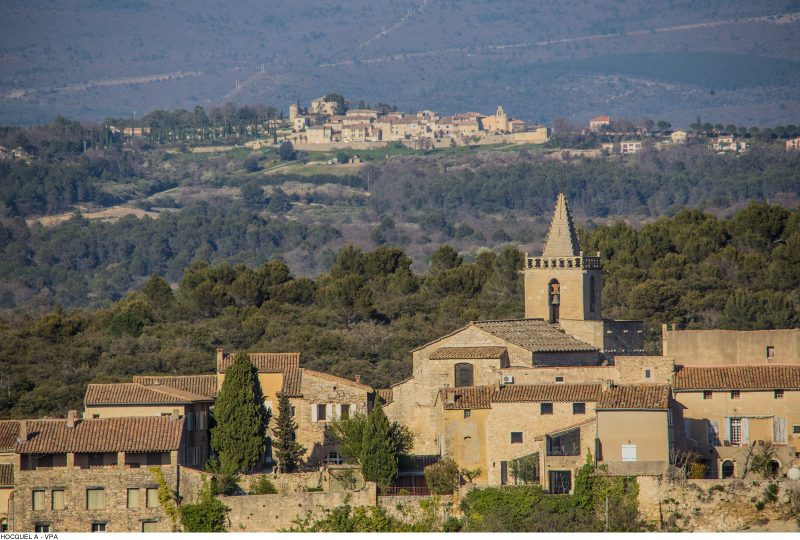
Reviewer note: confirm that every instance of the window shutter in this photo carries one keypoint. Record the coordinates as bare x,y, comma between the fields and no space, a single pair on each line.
628,452
745,431
338,411
329,412
727,426
779,430
313,412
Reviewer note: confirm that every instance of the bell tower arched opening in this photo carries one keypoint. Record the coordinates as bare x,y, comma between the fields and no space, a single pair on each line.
554,301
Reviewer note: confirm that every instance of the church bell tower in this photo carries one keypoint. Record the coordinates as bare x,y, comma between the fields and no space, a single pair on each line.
563,283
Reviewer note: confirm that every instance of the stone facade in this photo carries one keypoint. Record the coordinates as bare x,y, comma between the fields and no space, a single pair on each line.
729,347
75,516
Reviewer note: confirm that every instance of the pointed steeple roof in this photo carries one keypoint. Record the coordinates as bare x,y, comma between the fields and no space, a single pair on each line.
562,240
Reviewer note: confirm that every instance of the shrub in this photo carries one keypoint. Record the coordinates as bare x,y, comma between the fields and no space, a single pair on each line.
442,477
697,470
207,515
262,486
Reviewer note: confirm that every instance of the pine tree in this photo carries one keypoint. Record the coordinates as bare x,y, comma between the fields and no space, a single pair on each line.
378,459
288,451
241,421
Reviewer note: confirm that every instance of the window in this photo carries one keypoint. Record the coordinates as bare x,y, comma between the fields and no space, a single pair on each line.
41,527
149,526
559,379
463,375
467,413
669,417
57,500
554,301
344,411
647,374
95,460
333,458
546,408
3,526
95,499
778,394
591,295
38,499
322,410
579,408
770,352
560,482
99,527
735,394
628,452
708,394
736,430
796,429
133,498
151,500
567,443
503,473
516,437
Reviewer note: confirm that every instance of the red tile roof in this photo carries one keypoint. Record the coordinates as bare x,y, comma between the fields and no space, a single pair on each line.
519,393
469,353
131,434
138,394
635,396
292,383
772,377
534,335
468,397
9,430
6,474
203,385
386,395
265,362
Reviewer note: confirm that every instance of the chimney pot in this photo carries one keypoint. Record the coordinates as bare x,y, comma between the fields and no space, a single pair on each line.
175,415
23,431
358,379
71,417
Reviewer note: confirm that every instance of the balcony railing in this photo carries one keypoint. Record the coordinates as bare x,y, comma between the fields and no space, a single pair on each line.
420,491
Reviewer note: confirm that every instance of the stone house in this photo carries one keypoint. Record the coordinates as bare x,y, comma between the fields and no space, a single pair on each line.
599,122
792,144
728,412
630,147
731,347
135,399
9,431
93,474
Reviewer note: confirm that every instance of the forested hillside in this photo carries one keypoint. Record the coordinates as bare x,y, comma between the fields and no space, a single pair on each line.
366,314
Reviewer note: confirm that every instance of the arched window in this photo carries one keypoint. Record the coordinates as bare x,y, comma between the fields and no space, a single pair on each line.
554,300
464,375
591,295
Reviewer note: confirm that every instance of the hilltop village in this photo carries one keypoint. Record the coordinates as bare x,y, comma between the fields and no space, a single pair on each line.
522,401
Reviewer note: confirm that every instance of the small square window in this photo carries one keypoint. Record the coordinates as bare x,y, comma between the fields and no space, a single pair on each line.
770,352
778,394
647,374
95,499
708,394
579,408
41,527
149,526
736,394
38,499
98,527
467,413
57,501
559,379
345,410
546,408
151,500
796,430
322,412
516,437
133,498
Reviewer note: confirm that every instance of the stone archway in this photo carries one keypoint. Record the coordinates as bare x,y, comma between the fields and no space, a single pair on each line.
728,469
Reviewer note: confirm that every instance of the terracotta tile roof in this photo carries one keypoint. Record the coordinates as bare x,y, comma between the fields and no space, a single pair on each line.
635,396
265,362
519,393
131,434
292,383
203,385
534,335
335,379
6,474
737,378
386,395
468,397
9,430
138,394
469,353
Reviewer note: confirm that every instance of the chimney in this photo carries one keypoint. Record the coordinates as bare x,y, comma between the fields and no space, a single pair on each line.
175,415
608,384
71,416
358,379
220,357
23,431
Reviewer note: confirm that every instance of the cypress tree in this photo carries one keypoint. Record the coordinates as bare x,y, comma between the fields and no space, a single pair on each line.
288,451
378,459
241,421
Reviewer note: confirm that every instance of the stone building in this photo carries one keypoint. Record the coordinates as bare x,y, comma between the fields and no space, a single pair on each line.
93,475
731,347
136,399
727,412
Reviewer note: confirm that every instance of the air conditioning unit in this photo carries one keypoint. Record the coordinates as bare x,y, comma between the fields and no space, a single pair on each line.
508,379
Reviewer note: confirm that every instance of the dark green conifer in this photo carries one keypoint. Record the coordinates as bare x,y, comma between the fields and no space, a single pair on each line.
378,460
241,421
288,452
